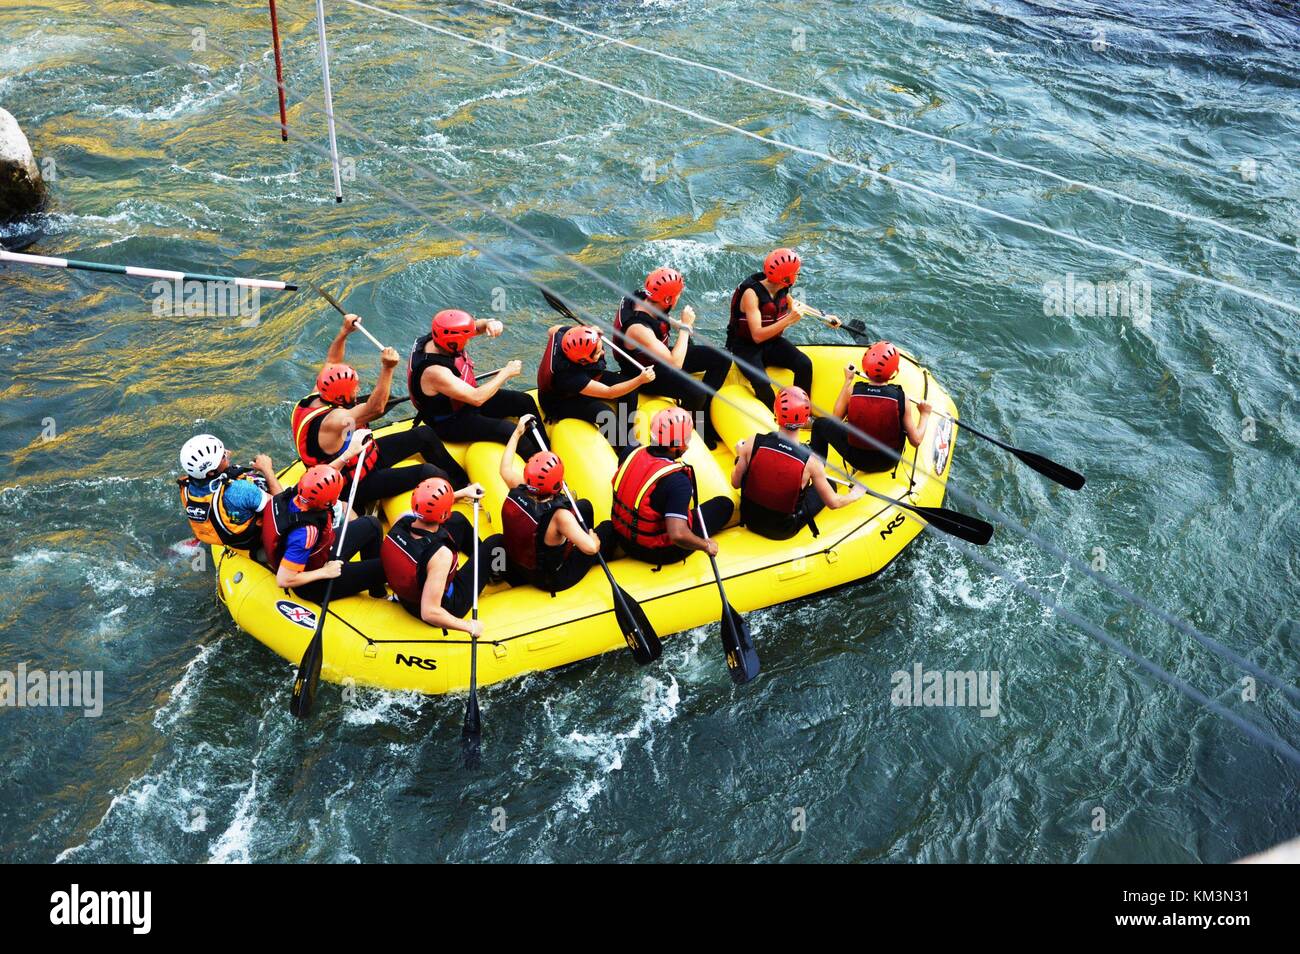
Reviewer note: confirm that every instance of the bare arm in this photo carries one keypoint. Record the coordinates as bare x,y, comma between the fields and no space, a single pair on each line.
566,525
609,392
754,317
262,464
915,423
644,339
447,384
842,399
339,346
290,575
681,535
833,501
431,608
742,463
509,472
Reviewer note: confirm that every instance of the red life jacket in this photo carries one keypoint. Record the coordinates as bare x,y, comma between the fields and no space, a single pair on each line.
306,422
632,513
627,316
877,410
435,407
405,554
281,520
774,478
524,521
772,309
546,369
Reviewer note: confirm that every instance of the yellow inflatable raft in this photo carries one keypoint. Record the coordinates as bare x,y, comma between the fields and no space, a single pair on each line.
377,643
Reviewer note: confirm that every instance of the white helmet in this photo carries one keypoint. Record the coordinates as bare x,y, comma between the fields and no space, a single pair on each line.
201,455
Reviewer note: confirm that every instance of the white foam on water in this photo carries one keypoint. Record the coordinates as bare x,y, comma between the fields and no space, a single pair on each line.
372,706
194,98
606,749
506,92
232,847
180,697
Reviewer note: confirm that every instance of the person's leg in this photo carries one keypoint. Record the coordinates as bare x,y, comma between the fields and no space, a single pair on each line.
364,537
716,513
513,404
782,353
482,555
716,366
754,356
395,448
822,430
472,424
391,481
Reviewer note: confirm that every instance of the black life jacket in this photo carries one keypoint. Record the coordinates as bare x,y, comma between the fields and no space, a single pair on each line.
405,554
277,525
877,410
629,315
554,363
435,407
774,479
524,521
772,308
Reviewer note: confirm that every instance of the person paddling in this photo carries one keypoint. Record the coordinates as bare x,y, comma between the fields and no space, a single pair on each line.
445,392
572,381
654,489
544,543
298,535
222,502
419,557
782,485
644,335
761,311
877,408
332,418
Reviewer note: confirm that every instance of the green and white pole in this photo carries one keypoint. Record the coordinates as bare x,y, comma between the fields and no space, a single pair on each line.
138,272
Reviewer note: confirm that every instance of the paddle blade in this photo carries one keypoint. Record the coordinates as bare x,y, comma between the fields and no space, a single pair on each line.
308,677
560,307
961,525
1051,469
742,657
471,733
640,635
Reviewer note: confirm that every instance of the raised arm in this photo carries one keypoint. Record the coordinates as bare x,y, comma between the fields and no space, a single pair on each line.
339,346
509,472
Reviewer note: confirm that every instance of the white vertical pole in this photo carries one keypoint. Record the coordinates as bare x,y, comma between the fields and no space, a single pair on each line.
329,98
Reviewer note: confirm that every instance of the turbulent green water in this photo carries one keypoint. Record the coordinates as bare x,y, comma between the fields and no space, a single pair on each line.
1185,423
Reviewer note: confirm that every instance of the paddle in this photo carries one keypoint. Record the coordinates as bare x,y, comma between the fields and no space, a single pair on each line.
852,326
343,311
561,307
742,657
279,72
308,677
960,525
471,734
640,635
1044,465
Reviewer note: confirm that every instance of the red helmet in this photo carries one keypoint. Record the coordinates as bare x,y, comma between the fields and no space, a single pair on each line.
320,487
544,473
432,500
782,266
581,344
452,328
672,427
880,362
793,408
337,384
664,286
